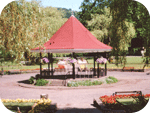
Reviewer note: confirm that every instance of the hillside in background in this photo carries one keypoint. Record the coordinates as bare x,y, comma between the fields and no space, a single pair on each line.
68,12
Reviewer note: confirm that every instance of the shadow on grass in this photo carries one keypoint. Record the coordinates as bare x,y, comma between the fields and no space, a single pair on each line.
24,81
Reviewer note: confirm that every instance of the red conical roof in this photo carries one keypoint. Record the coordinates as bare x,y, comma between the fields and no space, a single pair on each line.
73,37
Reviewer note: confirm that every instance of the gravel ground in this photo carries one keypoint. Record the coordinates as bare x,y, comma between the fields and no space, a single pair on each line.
73,100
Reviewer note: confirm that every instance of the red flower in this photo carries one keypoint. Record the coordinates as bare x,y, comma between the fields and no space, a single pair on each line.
147,95
112,99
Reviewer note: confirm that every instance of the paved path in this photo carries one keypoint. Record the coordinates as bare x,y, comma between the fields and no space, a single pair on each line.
75,98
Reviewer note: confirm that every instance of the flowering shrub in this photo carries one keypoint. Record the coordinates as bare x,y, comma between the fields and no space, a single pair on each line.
45,60
101,60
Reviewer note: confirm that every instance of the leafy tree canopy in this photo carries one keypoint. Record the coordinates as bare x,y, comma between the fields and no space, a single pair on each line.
26,25
128,19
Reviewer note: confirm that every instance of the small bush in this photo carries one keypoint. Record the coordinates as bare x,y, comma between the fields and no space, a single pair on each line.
41,82
113,78
109,81
31,80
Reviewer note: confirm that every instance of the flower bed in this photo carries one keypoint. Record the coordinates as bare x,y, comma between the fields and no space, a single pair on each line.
127,68
28,106
112,99
108,80
19,71
133,101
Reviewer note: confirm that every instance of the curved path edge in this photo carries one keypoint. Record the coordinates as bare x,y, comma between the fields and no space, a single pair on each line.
120,82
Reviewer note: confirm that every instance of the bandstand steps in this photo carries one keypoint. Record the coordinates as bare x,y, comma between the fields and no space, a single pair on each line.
58,82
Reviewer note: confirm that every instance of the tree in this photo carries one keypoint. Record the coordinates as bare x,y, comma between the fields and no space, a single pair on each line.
100,25
129,18
89,7
19,24
26,25
134,12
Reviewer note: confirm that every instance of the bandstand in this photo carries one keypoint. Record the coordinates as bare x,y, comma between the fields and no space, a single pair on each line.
73,38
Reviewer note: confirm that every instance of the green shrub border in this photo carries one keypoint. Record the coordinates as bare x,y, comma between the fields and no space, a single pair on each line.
109,80
41,82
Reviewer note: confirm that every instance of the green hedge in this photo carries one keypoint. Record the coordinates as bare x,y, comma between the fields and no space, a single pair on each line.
41,82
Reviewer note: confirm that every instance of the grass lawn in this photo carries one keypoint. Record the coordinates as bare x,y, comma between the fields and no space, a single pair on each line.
132,61
136,62
13,67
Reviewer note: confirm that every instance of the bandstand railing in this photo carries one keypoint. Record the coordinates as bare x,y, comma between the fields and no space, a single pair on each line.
68,73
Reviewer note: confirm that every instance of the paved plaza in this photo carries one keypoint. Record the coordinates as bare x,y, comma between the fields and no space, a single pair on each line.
74,98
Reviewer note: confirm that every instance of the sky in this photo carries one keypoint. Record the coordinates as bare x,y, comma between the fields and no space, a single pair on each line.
69,4
73,4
